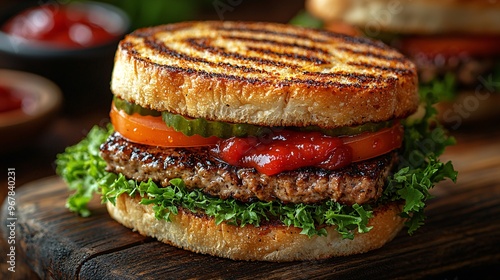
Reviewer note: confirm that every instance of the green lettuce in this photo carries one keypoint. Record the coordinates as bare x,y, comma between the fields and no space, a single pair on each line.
419,168
305,19
84,171
443,88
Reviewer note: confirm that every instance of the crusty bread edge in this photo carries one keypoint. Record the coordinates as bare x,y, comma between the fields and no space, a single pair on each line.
277,243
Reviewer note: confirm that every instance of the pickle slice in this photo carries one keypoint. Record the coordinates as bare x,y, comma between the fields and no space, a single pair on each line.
131,108
208,128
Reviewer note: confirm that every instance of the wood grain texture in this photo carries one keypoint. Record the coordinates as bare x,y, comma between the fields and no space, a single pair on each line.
460,234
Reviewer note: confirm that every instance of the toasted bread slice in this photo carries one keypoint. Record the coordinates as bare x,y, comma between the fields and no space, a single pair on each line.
270,242
265,74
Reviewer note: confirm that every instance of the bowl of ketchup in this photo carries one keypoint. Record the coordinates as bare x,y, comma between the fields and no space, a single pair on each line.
51,28
27,104
71,44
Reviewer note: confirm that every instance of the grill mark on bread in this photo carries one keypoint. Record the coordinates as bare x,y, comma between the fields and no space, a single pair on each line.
360,79
338,36
284,83
401,71
308,58
255,31
203,44
322,84
162,49
275,43
271,57
200,44
297,70
375,55
191,71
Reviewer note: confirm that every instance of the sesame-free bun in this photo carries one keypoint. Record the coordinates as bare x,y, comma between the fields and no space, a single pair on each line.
412,17
270,242
265,74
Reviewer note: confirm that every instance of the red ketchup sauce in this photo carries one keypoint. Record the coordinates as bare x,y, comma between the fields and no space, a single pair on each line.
10,100
285,150
59,25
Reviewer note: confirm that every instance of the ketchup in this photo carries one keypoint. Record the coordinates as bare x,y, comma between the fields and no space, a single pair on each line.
10,100
285,150
59,25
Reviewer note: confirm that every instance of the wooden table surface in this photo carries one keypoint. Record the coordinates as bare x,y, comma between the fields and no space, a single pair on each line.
460,240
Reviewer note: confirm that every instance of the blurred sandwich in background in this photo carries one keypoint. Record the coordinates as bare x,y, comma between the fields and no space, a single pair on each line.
454,43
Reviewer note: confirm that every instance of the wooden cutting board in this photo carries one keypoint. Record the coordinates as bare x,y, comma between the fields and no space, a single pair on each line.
461,235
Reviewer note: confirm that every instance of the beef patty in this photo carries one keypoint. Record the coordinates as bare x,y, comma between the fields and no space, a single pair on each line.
361,182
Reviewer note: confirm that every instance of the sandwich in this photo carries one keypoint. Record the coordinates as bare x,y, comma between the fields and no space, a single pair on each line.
454,44
260,141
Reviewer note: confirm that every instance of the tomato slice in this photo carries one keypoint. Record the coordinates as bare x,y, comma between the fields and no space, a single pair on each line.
373,144
153,131
451,45
285,150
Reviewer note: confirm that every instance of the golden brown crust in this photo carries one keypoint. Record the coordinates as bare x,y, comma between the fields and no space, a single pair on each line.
264,73
266,243
412,17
